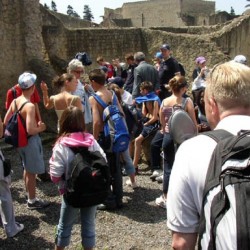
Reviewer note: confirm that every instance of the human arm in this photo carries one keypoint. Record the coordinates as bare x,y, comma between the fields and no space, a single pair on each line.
154,116
162,119
97,122
183,241
47,101
57,163
191,111
184,198
38,115
136,84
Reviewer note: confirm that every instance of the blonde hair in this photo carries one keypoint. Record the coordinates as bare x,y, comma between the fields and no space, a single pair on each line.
229,85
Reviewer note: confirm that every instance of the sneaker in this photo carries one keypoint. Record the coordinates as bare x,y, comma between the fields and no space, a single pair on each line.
161,202
159,179
130,184
19,227
38,204
155,174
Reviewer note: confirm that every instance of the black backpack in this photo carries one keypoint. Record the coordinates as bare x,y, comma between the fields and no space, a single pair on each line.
15,132
88,182
229,165
84,58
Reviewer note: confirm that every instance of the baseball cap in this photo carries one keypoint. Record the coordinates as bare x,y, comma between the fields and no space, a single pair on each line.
200,60
240,59
117,80
158,55
165,46
26,80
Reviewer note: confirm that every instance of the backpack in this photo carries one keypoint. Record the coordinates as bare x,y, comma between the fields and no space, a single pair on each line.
89,179
181,126
84,58
15,132
229,165
116,134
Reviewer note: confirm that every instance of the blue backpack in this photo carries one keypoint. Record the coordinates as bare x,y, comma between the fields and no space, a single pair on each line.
115,127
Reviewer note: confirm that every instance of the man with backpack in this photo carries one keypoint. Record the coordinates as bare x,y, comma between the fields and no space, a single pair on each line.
208,192
32,153
97,79
15,92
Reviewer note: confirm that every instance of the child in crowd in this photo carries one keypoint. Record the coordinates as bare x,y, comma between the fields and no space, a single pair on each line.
150,109
71,134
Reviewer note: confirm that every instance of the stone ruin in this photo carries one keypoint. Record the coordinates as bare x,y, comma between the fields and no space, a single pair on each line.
33,38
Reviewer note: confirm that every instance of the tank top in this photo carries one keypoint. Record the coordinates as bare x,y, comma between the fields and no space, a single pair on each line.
60,111
168,110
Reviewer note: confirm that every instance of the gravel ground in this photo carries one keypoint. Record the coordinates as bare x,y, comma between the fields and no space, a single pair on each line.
140,224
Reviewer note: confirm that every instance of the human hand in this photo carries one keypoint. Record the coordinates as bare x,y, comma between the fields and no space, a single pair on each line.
41,126
44,86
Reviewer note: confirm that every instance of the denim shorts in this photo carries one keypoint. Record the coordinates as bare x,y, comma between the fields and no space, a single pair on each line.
150,129
68,217
32,155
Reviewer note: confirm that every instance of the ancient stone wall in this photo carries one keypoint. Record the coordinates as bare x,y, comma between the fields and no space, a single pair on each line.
153,13
39,41
175,13
20,40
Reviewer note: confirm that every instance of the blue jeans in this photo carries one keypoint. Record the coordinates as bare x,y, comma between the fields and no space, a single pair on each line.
68,216
127,162
166,143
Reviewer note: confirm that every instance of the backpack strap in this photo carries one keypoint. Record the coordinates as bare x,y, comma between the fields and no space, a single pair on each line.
21,106
184,102
99,100
220,204
114,98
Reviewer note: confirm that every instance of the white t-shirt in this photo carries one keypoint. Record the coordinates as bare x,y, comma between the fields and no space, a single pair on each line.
187,182
127,98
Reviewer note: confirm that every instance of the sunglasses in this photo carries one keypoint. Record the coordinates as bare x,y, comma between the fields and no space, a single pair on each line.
78,71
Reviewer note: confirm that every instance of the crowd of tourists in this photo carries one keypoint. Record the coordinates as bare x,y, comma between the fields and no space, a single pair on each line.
146,94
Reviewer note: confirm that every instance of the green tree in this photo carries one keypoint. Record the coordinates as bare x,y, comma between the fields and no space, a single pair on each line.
232,12
87,14
53,6
71,12
46,6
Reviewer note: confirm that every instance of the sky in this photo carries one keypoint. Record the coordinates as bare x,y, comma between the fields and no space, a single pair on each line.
97,6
